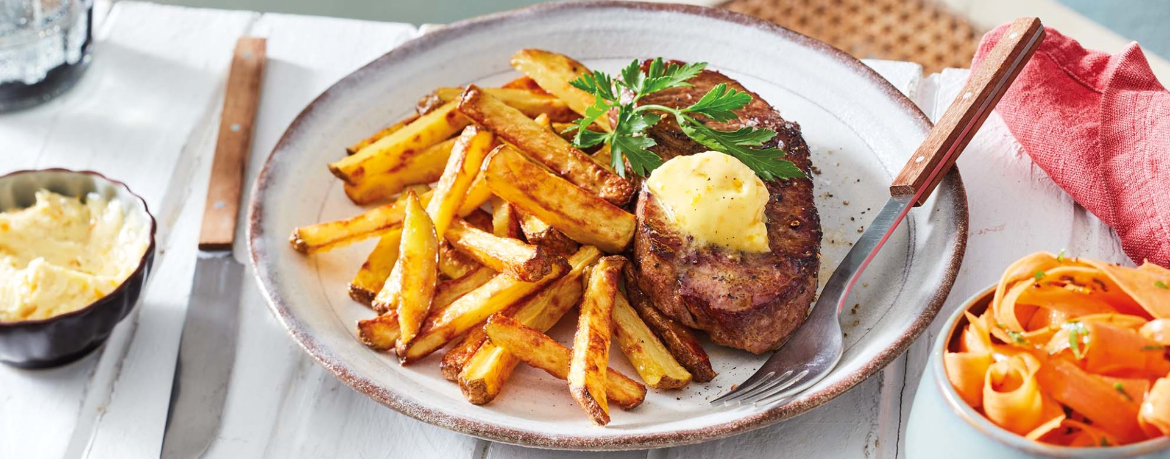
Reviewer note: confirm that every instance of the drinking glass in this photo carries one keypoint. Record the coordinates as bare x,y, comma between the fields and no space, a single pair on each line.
44,49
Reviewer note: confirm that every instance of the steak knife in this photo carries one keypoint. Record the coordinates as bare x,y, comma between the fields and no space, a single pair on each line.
207,349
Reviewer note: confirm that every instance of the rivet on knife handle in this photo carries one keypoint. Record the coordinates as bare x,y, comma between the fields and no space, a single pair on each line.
241,100
985,86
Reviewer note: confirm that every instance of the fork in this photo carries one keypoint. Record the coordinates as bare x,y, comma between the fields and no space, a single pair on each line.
816,347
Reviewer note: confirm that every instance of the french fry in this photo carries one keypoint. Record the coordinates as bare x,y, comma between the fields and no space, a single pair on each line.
540,233
472,309
458,356
553,72
540,351
649,356
484,374
452,289
340,233
382,155
543,121
545,146
504,220
680,340
525,262
378,135
530,103
380,333
455,264
425,167
411,285
476,196
372,276
480,219
575,212
461,170
524,82
591,342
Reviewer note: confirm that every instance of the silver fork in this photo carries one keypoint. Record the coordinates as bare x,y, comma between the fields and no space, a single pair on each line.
816,347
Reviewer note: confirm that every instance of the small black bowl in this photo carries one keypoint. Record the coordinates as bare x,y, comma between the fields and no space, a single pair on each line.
67,337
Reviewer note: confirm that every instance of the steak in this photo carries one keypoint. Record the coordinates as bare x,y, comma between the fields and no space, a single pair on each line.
750,301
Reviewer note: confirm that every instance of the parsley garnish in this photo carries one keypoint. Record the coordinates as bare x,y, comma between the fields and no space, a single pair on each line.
1121,390
1016,336
1060,256
1161,285
628,139
1076,334
1039,274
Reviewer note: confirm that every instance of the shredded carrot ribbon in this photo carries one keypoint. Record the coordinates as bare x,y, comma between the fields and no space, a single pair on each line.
1070,352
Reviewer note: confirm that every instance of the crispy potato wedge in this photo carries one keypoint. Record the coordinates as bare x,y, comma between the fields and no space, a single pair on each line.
572,210
553,72
413,278
504,220
378,135
545,146
591,342
471,309
524,82
540,351
680,340
340,233
525,262
459,354
531,103
480,219
540,233
477,196
462,168
373,273
425,167
382,155
543,121
452,289
649,356
484,374
380,333
454,264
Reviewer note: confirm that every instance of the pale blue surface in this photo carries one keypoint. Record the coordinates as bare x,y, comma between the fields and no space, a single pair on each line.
1145,21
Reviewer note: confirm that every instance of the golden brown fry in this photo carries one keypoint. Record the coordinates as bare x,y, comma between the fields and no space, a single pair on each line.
504,220
462,168
477,196
679,339
531,103
575,212
452,289
455,264
545,146
411,285
379,333
540,233
543,121
471,309
540,351
511,256
524,82
646,353
480,219
382,155
425,167
373,273
378,135
553,72
339,233
484,375
591,342
458,356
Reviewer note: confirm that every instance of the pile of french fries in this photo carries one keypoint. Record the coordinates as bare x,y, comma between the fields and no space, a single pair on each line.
446,273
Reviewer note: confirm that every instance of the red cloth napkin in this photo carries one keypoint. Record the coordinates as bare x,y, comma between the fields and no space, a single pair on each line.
1099,125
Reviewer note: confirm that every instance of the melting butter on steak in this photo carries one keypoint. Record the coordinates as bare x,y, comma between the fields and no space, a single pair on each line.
750,301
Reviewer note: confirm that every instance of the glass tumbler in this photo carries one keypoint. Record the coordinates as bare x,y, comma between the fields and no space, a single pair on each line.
44,49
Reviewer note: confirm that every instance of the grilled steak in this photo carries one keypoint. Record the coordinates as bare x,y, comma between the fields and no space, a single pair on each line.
750,301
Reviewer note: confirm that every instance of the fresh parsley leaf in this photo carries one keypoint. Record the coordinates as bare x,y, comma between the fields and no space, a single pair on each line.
660,76
1161,285
1121,390
597,83
1076,335
637,153
720,104
766,162
1039,274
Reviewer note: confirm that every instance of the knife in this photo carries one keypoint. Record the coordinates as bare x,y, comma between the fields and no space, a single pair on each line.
207,349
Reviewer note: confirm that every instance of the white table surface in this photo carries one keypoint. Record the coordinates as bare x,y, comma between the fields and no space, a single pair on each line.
146,113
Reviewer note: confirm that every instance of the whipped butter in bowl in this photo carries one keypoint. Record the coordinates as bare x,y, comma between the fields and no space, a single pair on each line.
75,249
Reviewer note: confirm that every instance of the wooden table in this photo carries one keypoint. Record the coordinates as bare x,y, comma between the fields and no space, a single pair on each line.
146,113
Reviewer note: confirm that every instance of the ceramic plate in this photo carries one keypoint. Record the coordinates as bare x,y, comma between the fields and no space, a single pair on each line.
860,130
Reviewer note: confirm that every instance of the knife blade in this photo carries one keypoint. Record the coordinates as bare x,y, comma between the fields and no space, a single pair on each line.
207,348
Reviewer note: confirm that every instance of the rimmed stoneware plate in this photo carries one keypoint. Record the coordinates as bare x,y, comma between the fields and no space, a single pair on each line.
861,131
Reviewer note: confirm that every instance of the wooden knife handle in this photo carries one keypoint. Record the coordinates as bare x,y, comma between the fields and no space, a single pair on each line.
958,125
241,99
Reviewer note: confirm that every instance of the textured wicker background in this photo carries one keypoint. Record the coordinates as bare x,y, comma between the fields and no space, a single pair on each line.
906,30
